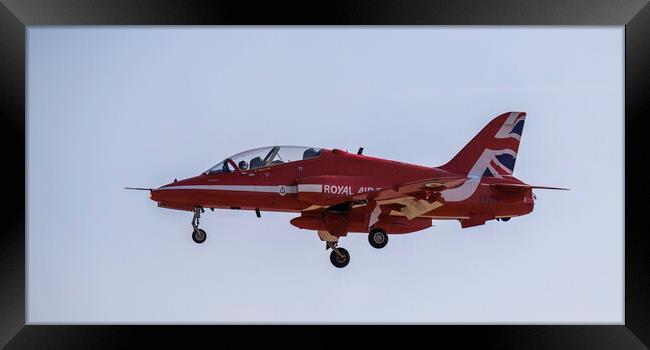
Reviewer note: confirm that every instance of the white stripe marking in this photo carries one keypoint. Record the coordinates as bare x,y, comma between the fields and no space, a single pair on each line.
310,188
461,192
506,129
497,162
494,172
241,188
374,215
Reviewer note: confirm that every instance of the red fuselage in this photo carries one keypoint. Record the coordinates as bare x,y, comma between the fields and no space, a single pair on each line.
278,188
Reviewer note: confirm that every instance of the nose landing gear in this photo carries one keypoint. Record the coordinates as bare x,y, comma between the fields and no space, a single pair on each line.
198,235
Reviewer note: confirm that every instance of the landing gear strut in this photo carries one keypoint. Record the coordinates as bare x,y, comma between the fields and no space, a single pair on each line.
339,256
198,235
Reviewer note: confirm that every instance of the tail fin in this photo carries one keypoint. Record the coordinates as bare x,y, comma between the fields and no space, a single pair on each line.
493,151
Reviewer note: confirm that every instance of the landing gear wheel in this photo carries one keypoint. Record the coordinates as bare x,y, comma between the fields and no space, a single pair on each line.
505,219
340,261
199,236
378,238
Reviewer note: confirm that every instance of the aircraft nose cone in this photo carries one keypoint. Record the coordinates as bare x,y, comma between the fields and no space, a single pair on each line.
159,194
155,195
164,194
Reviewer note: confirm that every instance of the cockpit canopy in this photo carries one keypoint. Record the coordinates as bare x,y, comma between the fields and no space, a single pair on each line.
264,157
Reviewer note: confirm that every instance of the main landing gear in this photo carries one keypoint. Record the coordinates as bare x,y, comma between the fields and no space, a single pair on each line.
198,235
339,257
378,238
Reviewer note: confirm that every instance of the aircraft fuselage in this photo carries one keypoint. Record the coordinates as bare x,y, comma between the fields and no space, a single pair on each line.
278,188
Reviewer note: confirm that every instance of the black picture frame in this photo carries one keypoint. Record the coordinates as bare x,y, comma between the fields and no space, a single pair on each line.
17,15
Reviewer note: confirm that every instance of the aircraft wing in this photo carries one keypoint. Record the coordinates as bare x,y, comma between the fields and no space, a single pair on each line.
421,189
413,198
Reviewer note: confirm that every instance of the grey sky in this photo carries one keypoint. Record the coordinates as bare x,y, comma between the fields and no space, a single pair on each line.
113,107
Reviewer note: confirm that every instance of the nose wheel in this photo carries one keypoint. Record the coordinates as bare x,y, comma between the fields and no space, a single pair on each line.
198,235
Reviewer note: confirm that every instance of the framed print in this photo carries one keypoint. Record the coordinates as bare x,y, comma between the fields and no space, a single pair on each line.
209,170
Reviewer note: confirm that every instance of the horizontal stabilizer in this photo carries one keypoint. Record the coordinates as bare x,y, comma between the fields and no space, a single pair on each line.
522,187
550,188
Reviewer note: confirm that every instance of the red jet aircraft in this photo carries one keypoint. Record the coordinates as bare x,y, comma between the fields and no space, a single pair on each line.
336,192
